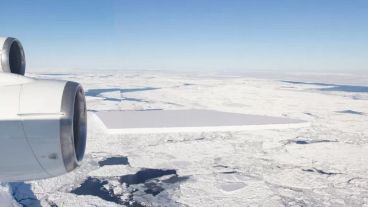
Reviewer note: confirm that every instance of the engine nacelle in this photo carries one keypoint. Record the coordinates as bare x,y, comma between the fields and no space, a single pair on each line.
43,123
12,59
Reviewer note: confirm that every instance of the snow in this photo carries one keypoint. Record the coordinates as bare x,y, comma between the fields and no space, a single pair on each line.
322,165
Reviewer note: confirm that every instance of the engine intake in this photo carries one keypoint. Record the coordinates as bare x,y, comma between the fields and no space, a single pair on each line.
12,59
74,125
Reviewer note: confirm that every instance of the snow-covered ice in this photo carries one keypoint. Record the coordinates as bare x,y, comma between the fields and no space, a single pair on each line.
322,165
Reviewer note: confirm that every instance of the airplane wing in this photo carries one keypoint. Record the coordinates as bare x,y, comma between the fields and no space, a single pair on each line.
42,122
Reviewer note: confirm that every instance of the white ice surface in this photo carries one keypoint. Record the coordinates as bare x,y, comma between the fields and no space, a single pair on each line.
322,165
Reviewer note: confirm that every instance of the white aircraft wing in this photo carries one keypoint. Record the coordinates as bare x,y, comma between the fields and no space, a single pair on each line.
165,121
42,122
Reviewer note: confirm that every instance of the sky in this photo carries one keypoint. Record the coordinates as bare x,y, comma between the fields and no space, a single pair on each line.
190,35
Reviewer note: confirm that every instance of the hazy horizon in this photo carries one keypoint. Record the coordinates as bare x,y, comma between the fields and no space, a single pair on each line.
207,36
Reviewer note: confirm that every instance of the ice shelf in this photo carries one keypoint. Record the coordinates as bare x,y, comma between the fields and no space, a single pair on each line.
158,121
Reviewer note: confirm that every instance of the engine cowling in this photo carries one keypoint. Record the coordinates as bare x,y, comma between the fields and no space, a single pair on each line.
12,58
43,123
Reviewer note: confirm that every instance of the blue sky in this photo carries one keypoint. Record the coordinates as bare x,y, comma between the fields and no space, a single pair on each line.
199,35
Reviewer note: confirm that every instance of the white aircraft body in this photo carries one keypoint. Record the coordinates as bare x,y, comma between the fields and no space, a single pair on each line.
42,122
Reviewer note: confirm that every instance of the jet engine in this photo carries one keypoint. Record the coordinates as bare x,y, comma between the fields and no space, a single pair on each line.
43,123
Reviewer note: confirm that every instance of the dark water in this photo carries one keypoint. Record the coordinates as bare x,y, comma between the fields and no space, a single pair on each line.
346,88
351,112
150,179
144,175
95,187
176,179
309,141
129,90
307,83
23,194
99,91
52,204
153,188
133,99
112,99
114,161
334,87
322,172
